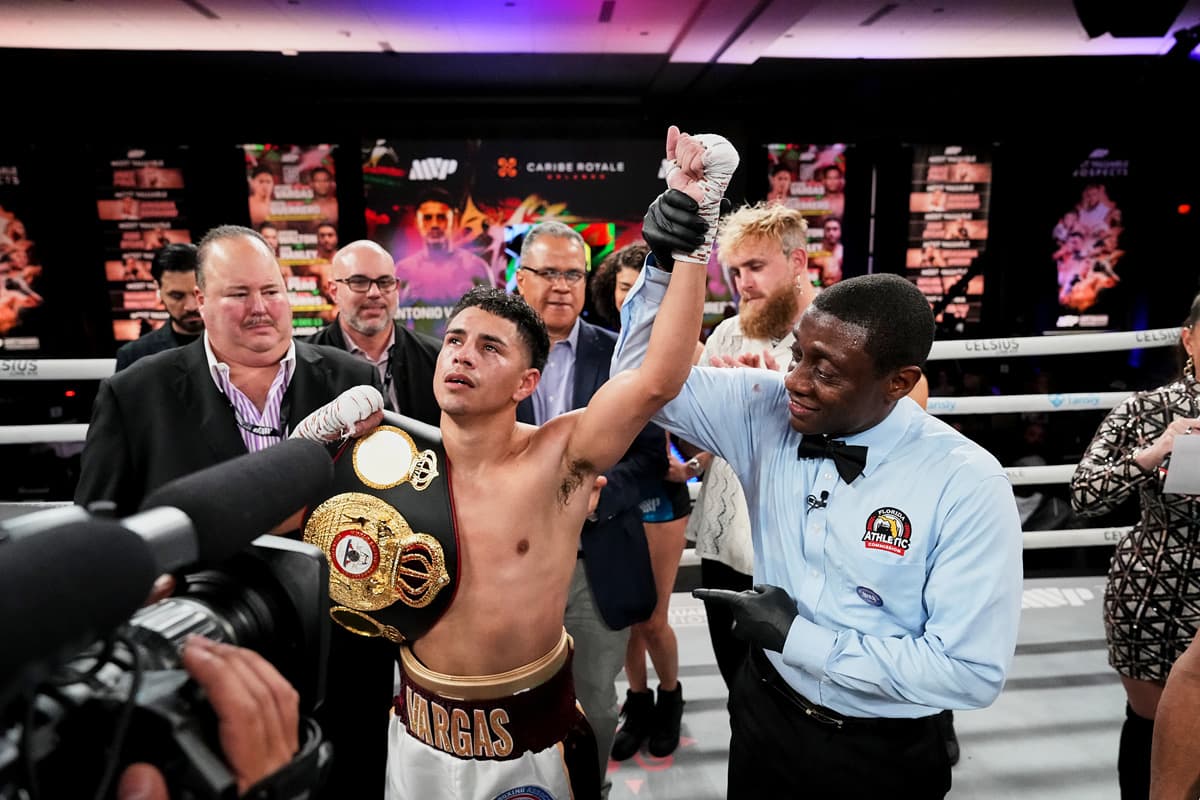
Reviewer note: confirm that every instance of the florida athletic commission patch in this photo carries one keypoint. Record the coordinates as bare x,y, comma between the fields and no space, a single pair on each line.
888,529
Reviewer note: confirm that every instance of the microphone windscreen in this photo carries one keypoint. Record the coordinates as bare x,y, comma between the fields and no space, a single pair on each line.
233,503
68,587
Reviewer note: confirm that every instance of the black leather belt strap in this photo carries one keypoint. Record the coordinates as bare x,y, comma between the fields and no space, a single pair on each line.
819,714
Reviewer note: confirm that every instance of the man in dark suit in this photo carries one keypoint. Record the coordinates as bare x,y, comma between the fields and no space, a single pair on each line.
613,585
242,387
174,271
363,286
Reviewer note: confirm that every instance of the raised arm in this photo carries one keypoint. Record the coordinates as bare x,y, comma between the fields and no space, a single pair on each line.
701,168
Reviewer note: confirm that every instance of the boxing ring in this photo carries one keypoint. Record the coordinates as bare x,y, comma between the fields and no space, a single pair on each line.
1053,731
19,370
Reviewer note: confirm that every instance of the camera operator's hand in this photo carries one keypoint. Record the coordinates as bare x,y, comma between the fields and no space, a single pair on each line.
164,587
258,713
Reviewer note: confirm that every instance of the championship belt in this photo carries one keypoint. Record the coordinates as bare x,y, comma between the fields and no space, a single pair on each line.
388,532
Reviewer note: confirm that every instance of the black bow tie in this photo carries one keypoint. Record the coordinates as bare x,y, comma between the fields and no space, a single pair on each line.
848,458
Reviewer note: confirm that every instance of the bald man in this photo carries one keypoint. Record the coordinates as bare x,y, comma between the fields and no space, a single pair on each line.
362,284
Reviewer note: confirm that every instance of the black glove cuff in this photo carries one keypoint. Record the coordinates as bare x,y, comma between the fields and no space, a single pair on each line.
306,772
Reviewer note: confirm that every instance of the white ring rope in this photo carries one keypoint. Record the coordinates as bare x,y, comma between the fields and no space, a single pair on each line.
56,369
1053,345
1020,403
33,434
1051,473
38,369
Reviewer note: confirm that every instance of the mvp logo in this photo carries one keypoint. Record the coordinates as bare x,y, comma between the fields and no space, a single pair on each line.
432,169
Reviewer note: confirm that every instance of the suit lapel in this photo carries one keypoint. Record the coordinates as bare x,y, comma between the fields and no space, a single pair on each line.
199,394
306,391
588,375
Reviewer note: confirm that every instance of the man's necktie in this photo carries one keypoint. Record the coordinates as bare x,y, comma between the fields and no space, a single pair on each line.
848,458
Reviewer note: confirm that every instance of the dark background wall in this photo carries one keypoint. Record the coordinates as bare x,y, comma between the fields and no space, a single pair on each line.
66,109
1037,112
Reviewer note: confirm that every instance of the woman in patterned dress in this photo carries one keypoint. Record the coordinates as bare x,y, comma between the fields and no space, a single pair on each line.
1152,598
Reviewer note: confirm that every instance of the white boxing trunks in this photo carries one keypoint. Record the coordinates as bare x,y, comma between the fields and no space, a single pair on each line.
517,735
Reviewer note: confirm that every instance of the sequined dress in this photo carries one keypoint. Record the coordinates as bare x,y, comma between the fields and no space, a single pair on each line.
1152,599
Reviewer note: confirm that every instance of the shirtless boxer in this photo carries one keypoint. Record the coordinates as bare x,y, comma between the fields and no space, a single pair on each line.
487,704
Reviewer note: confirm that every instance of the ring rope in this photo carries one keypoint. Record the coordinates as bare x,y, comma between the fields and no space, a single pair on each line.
34,434
1053,345
1021,403
101,368
55,369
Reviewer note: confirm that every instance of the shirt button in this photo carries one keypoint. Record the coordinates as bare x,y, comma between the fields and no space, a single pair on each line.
814,573
826,476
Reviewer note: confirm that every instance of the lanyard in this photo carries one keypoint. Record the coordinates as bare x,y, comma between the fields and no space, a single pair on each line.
263,430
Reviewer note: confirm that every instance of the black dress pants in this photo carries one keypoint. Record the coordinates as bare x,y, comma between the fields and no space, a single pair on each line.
777,750
729,649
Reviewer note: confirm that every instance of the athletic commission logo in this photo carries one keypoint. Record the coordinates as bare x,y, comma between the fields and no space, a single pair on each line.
888,529
525,793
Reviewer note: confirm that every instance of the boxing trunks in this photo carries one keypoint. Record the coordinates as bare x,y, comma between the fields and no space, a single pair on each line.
517,734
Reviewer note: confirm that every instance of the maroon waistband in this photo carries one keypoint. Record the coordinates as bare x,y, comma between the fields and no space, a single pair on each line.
494,730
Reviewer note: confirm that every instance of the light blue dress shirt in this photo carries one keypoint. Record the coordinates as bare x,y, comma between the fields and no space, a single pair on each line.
555,392
908,581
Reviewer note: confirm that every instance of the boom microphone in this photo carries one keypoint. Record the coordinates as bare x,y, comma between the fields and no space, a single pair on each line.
66,587
210,515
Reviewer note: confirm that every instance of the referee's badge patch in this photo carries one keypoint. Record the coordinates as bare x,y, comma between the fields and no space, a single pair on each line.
869,596
888,529
525,793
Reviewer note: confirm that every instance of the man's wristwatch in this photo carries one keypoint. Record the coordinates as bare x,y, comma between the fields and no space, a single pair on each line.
693,466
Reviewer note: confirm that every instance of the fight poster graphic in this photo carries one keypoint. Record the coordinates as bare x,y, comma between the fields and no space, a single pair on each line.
948,229
1087,240
811,178
292,192
22,308
141,205
454,213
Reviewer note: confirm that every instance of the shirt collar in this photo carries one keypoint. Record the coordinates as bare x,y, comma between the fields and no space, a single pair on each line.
883,437
572,339
354,349
218,369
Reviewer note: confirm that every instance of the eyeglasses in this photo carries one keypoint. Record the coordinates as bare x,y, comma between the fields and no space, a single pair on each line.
361,283
571,276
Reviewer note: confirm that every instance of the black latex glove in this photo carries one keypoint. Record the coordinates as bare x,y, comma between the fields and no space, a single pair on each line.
673,222
761,616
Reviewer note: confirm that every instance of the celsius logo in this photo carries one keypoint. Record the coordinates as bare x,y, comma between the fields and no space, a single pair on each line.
1099,152
432,169
506,167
